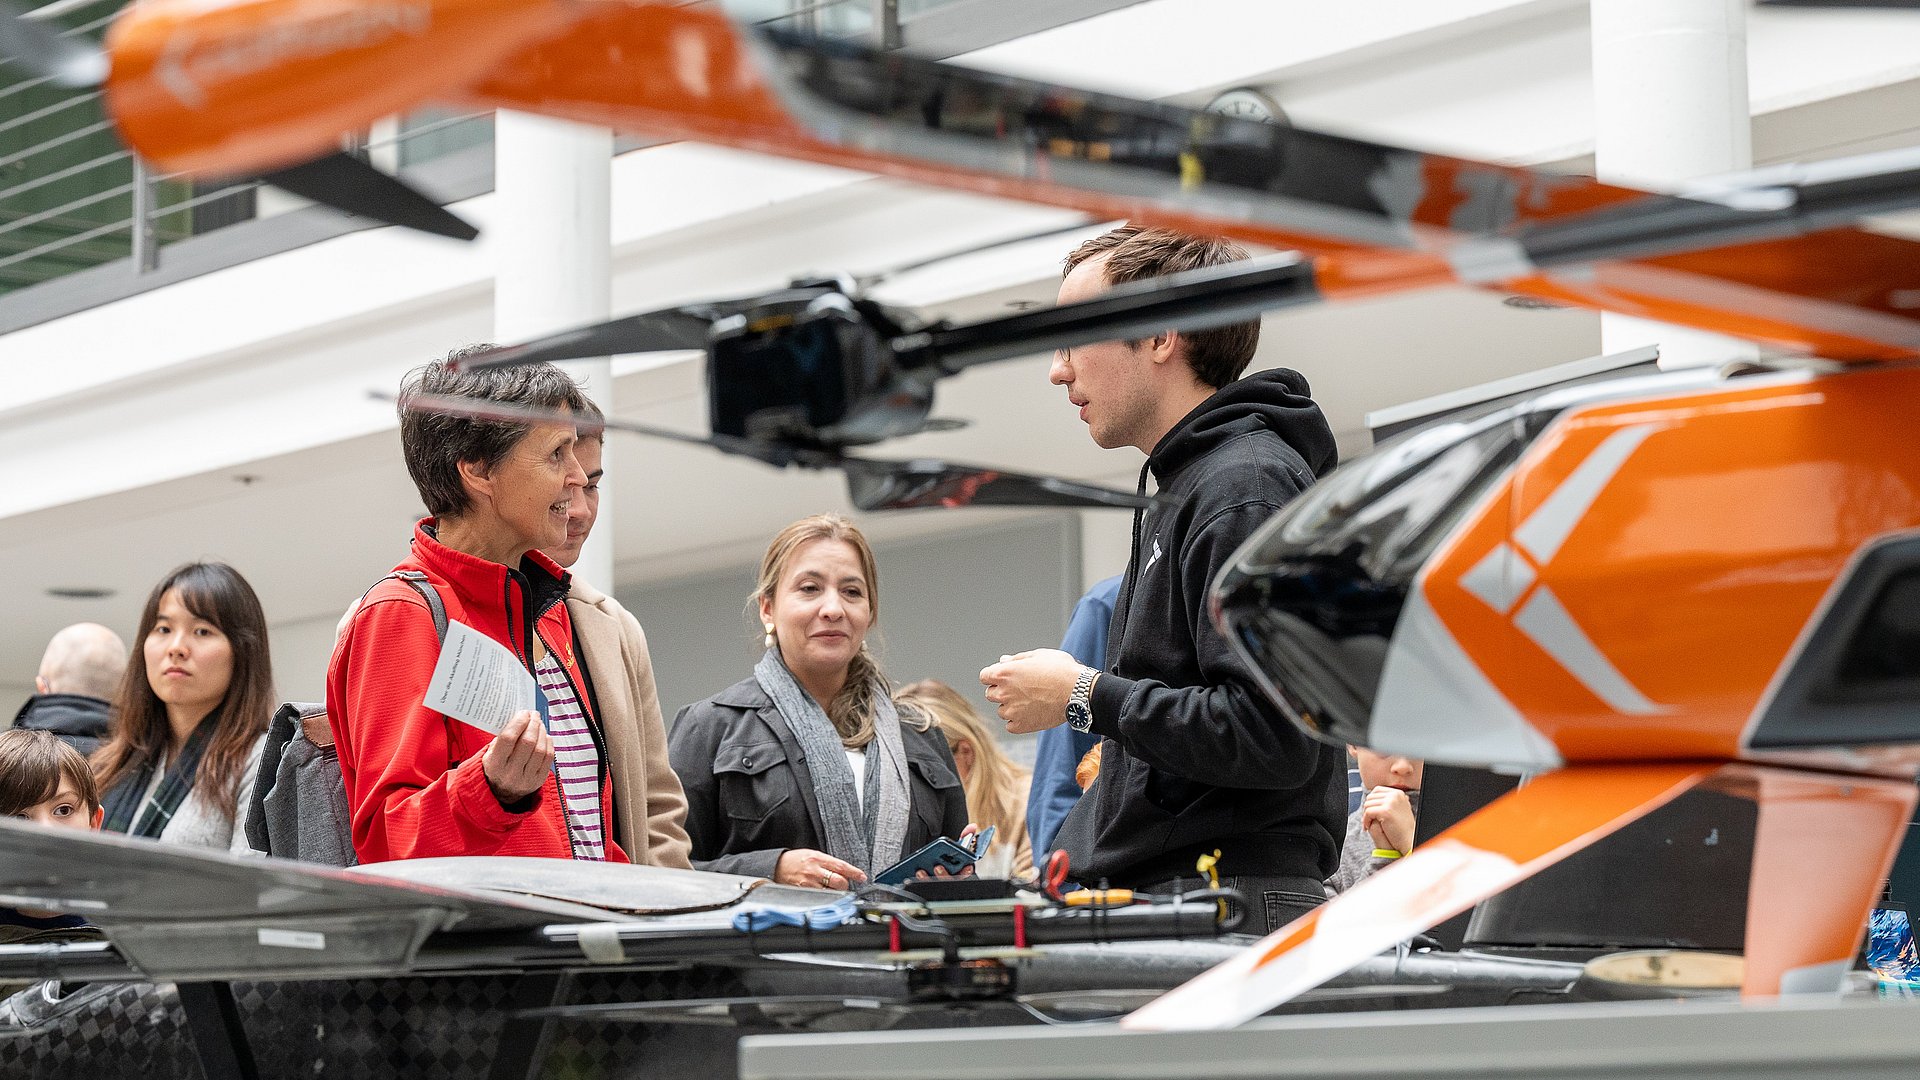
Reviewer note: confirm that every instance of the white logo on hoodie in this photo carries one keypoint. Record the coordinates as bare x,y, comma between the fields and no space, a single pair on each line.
1154,558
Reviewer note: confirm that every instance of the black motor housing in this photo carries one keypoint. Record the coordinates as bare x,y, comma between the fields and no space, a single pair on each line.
814,371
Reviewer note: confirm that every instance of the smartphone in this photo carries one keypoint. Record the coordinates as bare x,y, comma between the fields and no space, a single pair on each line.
941,852
981,842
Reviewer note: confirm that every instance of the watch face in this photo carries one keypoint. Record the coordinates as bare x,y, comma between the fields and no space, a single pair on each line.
1247,103
1079,717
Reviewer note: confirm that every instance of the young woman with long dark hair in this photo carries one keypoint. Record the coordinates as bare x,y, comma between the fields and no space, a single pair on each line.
191,712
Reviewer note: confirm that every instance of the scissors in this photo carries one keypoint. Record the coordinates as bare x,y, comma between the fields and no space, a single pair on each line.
1056,874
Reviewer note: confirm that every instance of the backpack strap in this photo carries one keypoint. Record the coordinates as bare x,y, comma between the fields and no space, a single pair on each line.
427,592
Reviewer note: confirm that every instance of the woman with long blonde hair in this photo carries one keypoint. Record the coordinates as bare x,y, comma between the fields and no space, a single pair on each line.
804,772
996,787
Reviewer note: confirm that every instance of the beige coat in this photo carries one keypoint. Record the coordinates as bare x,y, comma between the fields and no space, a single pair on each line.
649,806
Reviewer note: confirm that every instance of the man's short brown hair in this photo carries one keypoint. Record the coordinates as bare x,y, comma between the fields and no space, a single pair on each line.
589,421
32,764
1217,356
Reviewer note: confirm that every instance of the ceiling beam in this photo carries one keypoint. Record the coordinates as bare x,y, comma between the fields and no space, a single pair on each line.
966,25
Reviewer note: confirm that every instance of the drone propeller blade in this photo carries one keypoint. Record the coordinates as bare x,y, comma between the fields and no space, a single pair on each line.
872,484
454,405
875,484
667,330
347,183
62,61
891,272
1194,300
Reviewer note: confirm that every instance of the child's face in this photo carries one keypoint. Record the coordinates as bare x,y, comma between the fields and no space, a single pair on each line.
1383,770
65,809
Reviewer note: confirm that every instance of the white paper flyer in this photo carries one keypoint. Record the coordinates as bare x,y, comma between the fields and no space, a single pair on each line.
479,681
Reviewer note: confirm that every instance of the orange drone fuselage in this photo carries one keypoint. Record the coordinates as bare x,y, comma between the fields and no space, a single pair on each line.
1650,567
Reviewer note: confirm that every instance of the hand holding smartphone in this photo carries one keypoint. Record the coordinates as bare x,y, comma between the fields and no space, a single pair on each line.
941,853
979,842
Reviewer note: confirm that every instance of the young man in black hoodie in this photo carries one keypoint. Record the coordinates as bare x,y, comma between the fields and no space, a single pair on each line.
1194,757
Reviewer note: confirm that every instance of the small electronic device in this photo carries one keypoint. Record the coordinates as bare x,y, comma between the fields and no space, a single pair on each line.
942,852
1889,949
980,842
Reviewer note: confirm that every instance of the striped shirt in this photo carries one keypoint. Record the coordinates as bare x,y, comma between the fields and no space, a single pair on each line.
576,761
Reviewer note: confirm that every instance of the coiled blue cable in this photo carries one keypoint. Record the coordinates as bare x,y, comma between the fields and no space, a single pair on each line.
825,917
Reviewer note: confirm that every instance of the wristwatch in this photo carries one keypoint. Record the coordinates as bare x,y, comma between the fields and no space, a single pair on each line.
1080,705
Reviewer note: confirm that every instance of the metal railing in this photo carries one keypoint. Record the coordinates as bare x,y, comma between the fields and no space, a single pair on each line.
72,197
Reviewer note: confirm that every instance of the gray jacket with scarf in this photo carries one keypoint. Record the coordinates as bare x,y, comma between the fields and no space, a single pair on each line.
750,797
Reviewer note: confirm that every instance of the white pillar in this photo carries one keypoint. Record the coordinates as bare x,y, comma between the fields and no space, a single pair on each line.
550,237
1106,541
1670,105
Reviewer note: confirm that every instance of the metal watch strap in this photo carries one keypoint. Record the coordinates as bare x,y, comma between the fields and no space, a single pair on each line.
1083,686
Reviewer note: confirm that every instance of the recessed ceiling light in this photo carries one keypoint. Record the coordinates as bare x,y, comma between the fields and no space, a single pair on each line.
79,592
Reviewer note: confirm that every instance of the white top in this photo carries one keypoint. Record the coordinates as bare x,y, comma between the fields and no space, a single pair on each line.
857,760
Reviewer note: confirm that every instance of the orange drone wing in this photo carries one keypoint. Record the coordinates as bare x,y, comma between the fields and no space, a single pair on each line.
239,86
1517,836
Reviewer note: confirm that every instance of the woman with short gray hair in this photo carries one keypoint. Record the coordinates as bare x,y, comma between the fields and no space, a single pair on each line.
421,784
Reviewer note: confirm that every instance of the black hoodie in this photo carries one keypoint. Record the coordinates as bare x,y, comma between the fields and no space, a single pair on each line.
80,721
1196,757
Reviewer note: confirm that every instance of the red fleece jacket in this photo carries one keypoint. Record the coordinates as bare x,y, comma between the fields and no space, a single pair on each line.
414,782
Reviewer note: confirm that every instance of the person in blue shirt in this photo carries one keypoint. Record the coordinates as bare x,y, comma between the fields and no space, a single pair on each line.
1060,749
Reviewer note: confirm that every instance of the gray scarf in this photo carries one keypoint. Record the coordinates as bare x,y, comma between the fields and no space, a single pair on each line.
871,841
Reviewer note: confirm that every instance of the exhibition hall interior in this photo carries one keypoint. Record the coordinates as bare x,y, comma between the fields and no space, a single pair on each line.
1560,454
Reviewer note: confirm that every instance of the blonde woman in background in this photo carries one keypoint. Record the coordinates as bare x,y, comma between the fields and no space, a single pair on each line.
996,787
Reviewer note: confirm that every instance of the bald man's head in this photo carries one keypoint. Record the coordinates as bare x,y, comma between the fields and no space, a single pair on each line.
85,658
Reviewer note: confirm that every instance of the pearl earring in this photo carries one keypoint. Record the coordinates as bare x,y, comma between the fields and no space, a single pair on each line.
769,638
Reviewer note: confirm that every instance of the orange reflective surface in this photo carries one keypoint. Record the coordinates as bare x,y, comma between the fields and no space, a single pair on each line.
1822,847
250,85
1843,294
1698,563
245,86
